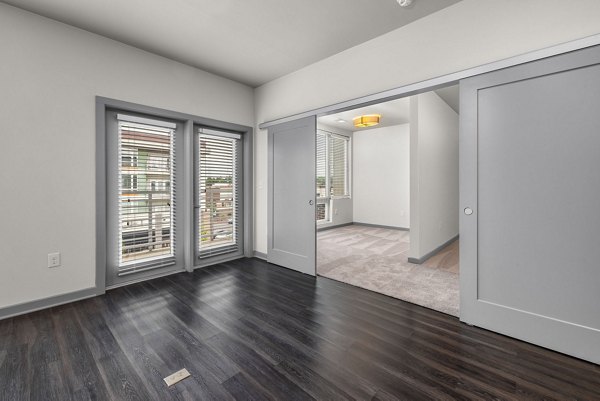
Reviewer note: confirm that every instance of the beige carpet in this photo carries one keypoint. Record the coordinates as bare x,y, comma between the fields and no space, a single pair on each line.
376,259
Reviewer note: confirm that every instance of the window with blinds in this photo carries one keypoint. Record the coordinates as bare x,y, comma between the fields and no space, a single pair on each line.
146,201
218,186
333,171
338,165
322,209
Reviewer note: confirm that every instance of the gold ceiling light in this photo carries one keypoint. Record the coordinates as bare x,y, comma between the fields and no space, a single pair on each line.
366,121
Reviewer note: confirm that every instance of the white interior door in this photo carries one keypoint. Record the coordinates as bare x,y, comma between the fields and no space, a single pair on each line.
291,195
530,181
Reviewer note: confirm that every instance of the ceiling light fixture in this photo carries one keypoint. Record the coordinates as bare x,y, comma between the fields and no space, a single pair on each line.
339,120
366,121
405,3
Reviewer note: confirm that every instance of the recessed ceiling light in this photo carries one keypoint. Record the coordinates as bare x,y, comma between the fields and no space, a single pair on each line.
339,120
405,3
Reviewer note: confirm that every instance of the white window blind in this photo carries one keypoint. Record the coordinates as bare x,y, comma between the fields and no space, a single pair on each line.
333,171
146,194
219,215
322,178
338,165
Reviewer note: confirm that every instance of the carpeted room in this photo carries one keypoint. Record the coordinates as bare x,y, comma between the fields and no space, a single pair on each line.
387,205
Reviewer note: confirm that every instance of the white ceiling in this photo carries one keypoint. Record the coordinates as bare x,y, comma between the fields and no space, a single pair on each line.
394,112
250,41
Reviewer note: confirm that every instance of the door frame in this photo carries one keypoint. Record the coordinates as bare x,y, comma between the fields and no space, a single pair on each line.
190,263
436,83
113,276
441,81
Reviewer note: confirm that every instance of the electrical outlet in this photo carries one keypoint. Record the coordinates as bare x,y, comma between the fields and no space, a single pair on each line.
54,259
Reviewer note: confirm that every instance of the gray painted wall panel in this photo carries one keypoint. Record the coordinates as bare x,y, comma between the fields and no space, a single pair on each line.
292,183
288,201
529,143
539,192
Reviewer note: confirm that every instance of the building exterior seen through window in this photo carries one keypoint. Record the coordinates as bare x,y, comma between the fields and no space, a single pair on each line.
218,215
145,195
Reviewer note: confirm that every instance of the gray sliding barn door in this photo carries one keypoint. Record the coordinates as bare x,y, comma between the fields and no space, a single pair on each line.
530,175
291,195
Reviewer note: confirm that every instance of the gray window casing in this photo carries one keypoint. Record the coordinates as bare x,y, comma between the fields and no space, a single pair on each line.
186,181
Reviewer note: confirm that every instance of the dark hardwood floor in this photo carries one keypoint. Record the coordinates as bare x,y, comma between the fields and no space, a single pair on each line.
247,330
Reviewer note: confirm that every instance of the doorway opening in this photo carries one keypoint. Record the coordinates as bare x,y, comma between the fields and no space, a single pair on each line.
387,199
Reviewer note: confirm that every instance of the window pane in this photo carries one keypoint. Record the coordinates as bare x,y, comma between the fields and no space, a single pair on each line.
332,171
321,211
217,193
321,176
321,165
145,196
338,166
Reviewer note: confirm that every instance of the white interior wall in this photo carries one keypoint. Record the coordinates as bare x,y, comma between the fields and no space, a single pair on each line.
341,208
381,170
341,212
49,75
468,34
434,191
